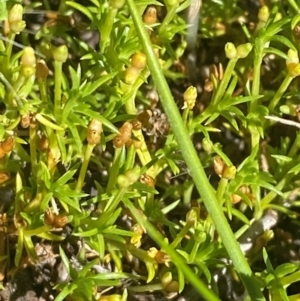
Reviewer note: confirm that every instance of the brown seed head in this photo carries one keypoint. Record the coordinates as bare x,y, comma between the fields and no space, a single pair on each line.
8,144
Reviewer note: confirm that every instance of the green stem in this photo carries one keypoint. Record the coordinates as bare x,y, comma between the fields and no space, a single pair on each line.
180,235
43,90
33,146
113,204
57,90
84,166
221,190
168,18
107,27
198,174
130,158
281,90
194,251
225,81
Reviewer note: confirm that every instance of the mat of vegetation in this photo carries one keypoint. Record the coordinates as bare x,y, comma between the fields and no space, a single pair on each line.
149,150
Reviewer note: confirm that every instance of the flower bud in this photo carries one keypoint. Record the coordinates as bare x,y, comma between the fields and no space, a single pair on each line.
172,2
293,57
263,14
118,141
189,97
131,75
150,15
230,51
219,165
133,175
60,54
293,69
28,62
166,279
243,50
288,109
136,240
42,70
17,27
15,19
94,132
123,181
117,4
139,60
192,216
28,57
229,172
278,17
172,287
207,145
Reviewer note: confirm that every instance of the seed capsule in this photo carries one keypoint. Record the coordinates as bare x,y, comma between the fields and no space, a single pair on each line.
219,165
8,144
148,180
150,15
42,70
94,132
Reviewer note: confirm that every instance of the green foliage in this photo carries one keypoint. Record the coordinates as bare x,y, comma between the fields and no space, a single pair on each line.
157,207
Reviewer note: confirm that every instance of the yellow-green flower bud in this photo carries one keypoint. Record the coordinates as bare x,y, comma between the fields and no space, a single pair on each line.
28,57
263,14
293,57
243,50
166,279
192,216
293,69
123,181
278,17
17,27
173,287
15,19
133,175
117,4
172,2
28,62
229,172
189,97
131,75
230,51
288,109
207,145
138,60
60,53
